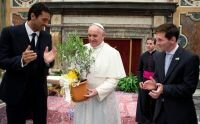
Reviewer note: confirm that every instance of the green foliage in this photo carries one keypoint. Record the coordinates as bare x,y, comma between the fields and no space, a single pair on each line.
73,54
128,84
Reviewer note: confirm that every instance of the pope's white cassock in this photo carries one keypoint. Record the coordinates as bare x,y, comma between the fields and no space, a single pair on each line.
104,75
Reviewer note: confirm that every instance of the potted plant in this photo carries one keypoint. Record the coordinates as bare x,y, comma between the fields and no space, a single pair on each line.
75,60
128,84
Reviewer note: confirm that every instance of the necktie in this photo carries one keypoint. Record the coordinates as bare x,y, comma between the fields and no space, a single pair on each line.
168,59
33,41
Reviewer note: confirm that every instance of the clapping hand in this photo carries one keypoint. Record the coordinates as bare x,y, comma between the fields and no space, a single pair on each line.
150,84
156,89
49,56
156,93
28,55
141,85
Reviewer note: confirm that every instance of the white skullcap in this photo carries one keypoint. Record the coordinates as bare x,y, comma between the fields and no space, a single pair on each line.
99,25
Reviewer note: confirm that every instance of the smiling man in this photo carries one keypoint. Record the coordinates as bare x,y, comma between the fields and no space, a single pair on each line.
101,106
26,54
145,104
175,80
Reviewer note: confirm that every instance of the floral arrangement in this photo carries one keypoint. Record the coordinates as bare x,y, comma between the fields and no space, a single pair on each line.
74,55
76,60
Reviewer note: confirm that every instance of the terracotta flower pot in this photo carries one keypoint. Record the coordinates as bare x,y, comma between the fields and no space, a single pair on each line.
78,91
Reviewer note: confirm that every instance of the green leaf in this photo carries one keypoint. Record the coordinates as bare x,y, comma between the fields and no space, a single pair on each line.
73,53
128,84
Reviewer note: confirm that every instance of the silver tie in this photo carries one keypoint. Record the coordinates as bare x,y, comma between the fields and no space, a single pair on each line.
168,59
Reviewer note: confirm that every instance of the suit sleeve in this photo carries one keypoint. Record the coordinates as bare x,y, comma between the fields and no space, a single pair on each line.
7,60
190,80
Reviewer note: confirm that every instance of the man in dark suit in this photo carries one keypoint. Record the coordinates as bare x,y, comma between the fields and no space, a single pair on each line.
175,80
26,54
145,104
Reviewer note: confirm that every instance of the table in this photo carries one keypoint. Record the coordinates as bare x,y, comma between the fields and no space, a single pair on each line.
61,112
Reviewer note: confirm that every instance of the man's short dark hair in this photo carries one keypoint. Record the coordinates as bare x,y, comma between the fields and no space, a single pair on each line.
151,38
37,9
170,30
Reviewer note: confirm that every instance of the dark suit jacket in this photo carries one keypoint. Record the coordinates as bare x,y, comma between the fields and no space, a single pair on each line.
179,85
16,80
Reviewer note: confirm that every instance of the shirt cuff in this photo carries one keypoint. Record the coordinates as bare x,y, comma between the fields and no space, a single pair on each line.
22,64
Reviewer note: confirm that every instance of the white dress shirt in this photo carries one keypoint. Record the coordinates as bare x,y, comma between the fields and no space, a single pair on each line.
168,58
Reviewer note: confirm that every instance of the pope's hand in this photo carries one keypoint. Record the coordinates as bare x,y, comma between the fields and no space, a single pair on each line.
91,93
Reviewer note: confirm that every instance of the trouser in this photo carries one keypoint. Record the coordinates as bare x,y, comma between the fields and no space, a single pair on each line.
161,119
145,108
31,106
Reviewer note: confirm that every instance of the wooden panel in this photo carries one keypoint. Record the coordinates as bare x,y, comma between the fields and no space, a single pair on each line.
123,46
136,52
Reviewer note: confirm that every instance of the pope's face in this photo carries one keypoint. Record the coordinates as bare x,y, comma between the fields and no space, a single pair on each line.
95,35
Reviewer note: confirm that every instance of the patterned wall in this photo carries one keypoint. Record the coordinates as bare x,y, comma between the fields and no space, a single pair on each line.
191,29
190,2
187,17
23,3
19,11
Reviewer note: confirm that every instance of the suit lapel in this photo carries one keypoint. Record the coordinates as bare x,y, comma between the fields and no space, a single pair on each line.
21,35
41,44
162,66
174,62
